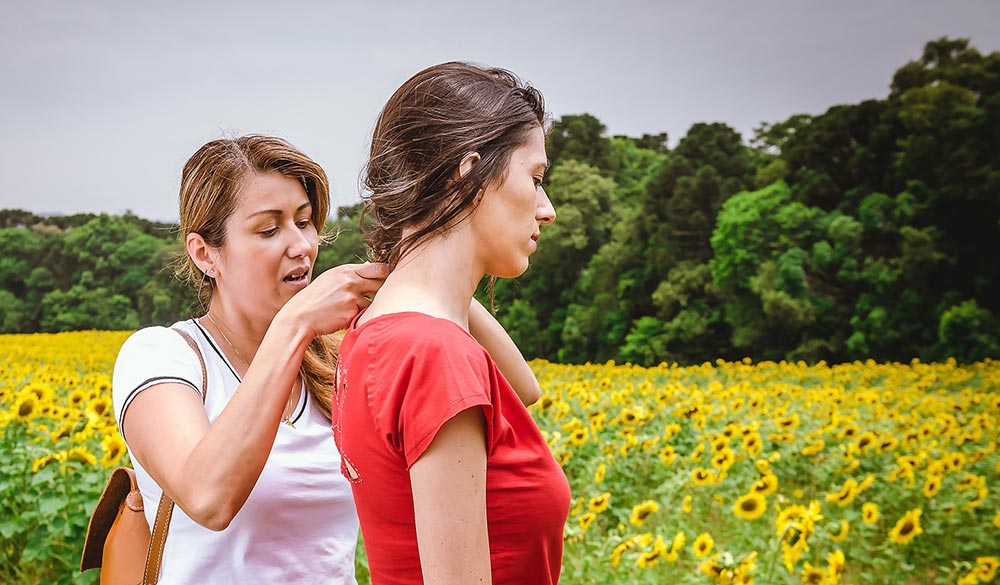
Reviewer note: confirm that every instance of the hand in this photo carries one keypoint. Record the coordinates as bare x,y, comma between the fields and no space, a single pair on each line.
335,297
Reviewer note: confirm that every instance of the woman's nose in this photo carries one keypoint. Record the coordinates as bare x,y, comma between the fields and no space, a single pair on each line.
299,245
544,212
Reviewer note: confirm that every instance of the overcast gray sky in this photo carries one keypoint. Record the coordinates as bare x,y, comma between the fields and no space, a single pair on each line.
103,101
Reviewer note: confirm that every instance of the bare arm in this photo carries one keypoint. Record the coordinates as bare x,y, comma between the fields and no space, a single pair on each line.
210,469
491,335
449,503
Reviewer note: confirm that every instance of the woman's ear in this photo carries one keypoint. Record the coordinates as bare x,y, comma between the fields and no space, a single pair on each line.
200,253
468,161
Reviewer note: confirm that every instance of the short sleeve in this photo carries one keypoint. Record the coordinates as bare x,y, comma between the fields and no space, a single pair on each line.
151,356
425,381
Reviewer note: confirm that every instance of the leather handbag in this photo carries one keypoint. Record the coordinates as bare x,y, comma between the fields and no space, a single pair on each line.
118,537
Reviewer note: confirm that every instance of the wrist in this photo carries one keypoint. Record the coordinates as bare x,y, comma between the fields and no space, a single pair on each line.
296,332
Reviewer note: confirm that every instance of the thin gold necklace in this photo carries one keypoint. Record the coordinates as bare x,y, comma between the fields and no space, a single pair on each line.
285,418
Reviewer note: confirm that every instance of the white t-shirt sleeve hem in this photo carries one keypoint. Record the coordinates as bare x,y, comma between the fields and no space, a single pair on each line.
151,356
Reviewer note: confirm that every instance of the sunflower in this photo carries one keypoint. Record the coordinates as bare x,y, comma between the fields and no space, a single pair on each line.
42,392
670,430
703,545
968,482
26,406
766,485
667,455
61,433
698,452
848,432
788,422
865,441
986,568
723,460
813,448
75,398
578,436
586,520
712,568
887,444
597,422
835,565
686,506
932,485
996,520
842,535
781,437
99,406
678,543
750,507
701,476
846,493
812,575
869,513
103,383
44,460
629,415
648,559
907,528
113,448
752,444
599,474
629,544
642,511
81,454
599,503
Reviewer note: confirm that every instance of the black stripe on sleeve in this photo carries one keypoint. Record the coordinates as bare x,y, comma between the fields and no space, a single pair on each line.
146,384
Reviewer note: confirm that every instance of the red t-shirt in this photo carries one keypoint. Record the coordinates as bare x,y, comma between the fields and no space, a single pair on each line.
401,377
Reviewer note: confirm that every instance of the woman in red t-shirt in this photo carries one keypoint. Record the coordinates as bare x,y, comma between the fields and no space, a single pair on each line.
452,478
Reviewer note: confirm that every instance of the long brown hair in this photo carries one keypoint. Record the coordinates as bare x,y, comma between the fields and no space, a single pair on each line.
210,185
427,127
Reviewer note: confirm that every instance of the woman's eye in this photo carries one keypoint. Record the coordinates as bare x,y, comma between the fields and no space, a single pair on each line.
303,223
538,182
269,232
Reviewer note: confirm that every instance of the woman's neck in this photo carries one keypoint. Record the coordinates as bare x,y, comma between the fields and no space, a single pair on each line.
244,331
438,278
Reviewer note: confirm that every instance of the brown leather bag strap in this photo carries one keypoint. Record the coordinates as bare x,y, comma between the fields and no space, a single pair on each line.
154,556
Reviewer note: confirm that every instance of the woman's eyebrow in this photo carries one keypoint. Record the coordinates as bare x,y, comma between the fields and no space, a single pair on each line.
278,211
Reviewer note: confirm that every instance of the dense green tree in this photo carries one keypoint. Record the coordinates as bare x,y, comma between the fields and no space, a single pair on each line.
864,231
578,137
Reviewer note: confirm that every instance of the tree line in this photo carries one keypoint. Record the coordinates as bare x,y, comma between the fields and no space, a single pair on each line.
868,231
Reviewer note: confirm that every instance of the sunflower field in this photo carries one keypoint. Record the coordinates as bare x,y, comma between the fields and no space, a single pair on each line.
726,472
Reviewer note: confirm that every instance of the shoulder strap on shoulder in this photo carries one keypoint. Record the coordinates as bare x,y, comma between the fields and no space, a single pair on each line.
204,374
154,557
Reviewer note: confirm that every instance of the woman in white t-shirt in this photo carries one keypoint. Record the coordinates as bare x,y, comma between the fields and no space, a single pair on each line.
254,471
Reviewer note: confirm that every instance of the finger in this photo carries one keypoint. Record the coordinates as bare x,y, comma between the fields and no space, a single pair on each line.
372,270
368,286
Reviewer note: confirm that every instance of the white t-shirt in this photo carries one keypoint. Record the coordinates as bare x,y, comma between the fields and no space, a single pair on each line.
299,524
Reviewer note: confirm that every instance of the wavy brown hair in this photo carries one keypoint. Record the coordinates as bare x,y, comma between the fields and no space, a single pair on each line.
427,127
211,184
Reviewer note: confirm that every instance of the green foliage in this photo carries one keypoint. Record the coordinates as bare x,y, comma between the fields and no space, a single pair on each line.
969,332
43,516
859,232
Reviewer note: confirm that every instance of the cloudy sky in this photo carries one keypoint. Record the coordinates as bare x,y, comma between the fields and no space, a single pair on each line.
102,102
